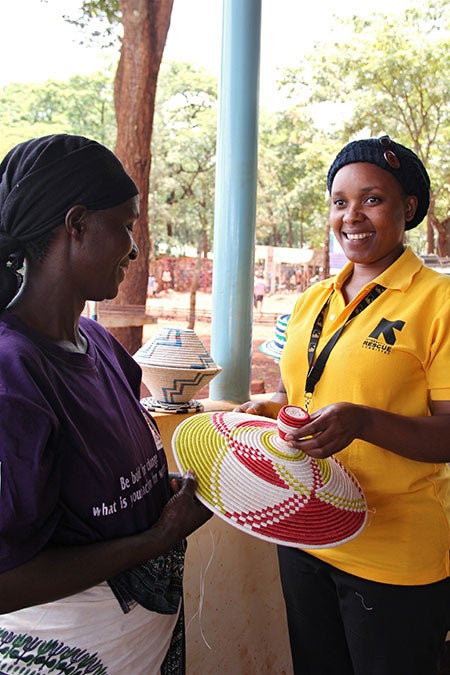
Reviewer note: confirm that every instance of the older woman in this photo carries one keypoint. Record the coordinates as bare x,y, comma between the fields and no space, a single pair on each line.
91,534
369,351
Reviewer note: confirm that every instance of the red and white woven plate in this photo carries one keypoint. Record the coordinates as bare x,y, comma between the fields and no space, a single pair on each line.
248,476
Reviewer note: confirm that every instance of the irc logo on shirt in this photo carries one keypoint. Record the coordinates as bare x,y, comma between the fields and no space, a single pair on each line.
385,330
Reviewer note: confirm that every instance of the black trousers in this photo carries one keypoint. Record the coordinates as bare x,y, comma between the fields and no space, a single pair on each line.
340,624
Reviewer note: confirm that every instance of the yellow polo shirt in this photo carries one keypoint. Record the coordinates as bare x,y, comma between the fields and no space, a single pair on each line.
395,355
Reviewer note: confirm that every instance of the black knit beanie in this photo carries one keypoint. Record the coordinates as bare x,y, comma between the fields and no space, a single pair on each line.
401,162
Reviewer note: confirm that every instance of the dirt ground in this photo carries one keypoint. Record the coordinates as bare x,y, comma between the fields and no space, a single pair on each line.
265,372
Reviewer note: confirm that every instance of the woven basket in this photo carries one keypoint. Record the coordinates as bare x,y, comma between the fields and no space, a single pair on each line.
176,385
248,475
177,348
175,365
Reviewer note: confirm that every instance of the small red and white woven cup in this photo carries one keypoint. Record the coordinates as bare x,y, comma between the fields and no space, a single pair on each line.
290,418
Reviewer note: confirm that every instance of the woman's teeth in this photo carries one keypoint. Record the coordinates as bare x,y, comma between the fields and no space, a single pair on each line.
362,235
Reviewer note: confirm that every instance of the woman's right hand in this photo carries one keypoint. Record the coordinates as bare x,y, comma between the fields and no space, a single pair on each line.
183,513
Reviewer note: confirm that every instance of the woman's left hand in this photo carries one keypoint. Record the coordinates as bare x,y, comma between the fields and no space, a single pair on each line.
331,429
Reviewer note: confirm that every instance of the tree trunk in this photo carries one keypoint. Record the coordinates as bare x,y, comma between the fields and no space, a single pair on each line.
430,237
202,252
443,238
431,219
145,27
290,234
194,289
440,232
326,253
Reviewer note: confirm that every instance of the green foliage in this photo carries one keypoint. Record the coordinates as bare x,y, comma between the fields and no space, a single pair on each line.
82,105
99,20
183,148
387,74
107,9
381,74
291,196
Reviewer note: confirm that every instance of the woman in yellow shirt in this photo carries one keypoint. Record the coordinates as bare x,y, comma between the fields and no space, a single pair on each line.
379,395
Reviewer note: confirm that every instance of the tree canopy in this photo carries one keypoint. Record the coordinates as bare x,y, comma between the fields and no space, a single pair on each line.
80,105
389,75
184,150
376,77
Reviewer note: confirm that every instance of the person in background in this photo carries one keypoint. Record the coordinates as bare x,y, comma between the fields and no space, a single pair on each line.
259,292
166,279
151,286
368,353
92,529
293,282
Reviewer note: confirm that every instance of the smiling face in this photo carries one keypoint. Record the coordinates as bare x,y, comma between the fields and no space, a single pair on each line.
368,214
108,248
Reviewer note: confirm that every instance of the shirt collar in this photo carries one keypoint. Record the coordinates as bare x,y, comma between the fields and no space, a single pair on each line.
398,276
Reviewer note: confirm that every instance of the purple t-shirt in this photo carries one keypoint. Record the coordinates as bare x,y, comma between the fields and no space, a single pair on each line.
80,458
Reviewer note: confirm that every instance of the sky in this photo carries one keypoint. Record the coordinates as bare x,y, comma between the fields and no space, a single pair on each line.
36,43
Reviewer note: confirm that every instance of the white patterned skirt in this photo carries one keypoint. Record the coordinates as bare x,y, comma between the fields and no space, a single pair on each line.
84,634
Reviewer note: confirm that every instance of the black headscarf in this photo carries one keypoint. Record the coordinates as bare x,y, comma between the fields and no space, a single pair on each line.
40,180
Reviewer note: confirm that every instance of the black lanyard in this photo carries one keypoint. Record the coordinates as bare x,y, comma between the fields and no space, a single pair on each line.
316,368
